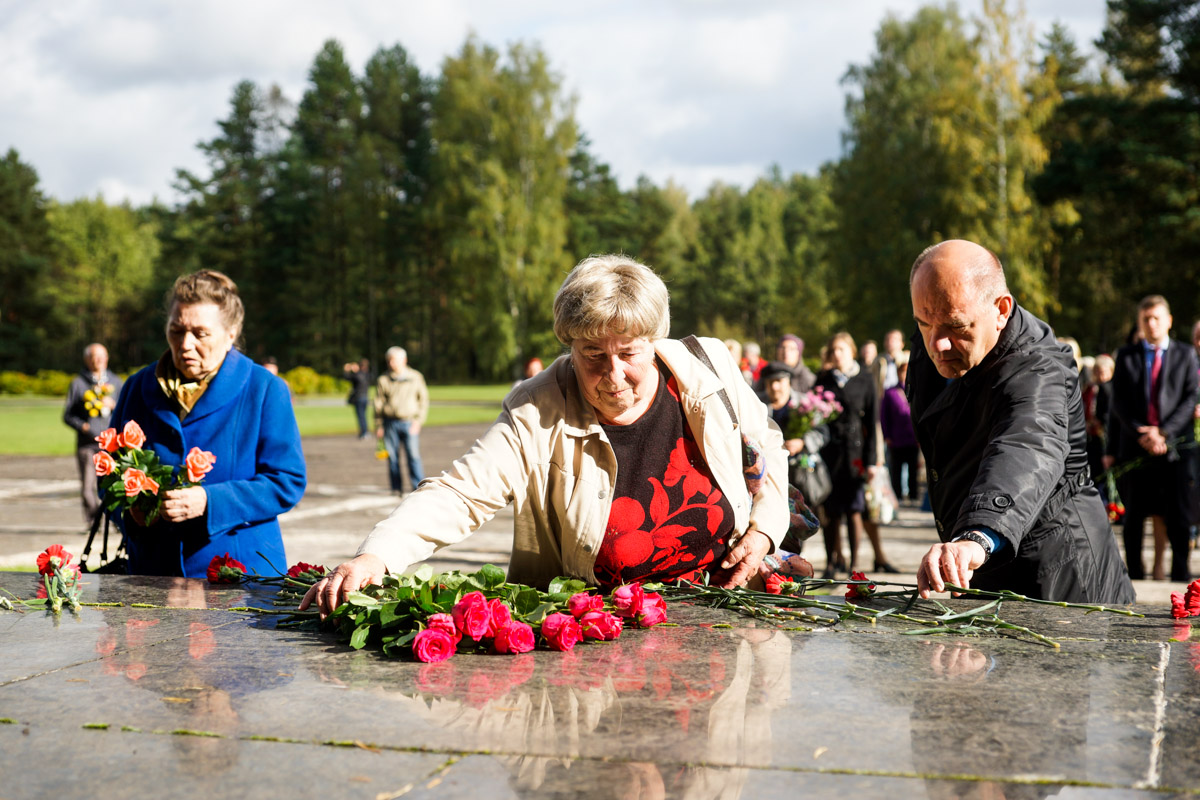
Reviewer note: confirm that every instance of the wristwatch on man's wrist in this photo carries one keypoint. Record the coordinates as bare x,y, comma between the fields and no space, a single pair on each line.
979,539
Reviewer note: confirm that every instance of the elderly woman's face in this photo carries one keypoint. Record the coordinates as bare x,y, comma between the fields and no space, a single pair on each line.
617,375
198,338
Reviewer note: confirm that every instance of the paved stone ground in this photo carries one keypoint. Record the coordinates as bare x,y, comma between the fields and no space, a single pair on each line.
347,495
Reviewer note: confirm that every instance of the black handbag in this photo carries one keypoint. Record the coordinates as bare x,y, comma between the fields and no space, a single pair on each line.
118,564
810,474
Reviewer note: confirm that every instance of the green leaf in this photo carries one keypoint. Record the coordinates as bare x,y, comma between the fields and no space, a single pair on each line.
526,601
491,576
950,617
359,637
389,613
360,599
423,573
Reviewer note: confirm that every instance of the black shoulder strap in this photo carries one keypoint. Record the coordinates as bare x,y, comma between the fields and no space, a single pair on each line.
693,346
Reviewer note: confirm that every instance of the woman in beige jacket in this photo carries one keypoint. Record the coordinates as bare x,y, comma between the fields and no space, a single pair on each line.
622,460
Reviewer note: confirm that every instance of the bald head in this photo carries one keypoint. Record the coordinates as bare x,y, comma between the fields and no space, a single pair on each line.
95,358
960,303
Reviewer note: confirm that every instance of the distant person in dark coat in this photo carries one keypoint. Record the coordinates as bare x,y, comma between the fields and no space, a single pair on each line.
998,413
895,417
90,400
359,376
1154,398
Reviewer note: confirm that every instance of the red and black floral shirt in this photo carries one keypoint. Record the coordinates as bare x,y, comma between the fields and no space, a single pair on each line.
669,519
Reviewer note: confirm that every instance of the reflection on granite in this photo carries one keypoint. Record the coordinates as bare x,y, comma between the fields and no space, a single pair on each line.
221,701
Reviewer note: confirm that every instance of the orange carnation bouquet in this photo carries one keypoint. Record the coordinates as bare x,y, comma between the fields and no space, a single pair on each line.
134,479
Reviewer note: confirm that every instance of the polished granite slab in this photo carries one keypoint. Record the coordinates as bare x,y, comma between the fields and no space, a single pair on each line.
172,693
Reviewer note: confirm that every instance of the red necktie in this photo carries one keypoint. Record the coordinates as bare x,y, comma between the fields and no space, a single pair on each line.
1152,411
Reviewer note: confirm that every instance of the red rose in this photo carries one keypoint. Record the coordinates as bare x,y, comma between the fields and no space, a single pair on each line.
199,463
433,645
514,637
654,610
859,590
582,603
223,569
103,463
1179,609
501,616
561,632
302,569
472,616
132,436
600,625
628,599
108,440
53,556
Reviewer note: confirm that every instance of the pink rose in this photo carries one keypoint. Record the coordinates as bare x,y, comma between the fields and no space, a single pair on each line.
104,464
444,623
654,610
599,625
581,603
501,616
199,463
514,637
132,436
472,616
561,632
628,599
433,645
108,440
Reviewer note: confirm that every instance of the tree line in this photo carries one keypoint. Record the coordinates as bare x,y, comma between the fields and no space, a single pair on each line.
442,212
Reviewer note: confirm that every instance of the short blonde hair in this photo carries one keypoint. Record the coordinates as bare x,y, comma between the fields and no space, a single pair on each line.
209,286
611,295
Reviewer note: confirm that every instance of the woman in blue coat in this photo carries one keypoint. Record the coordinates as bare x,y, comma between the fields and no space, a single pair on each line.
204,393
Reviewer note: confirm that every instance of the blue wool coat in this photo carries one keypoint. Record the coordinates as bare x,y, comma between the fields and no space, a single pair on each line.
245,419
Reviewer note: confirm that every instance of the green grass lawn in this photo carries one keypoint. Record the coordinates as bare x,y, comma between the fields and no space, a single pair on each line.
34,426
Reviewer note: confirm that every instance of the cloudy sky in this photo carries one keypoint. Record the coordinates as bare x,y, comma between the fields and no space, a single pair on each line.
111,97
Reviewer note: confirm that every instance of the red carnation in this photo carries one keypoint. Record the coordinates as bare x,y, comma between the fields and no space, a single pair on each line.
299,570
775,582
223,569
53,556
859,590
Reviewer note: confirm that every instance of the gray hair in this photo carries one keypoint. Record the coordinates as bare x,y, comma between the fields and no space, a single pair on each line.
611,294
399,352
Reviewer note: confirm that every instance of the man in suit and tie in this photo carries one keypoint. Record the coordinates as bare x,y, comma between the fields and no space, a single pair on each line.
1154,394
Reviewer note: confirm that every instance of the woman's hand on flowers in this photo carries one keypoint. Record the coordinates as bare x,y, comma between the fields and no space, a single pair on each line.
183,504
743,559
330,592
952,562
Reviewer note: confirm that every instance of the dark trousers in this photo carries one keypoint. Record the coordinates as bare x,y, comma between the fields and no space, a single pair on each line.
89,491
360,411
1157,487
900,455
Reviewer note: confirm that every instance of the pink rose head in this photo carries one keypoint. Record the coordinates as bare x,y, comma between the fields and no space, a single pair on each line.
501,616
600,625
581,603
135,481
654,611
108,440
472,616
132,436
628,599
433,645
561,632
445,623
103,463
199,463
514,637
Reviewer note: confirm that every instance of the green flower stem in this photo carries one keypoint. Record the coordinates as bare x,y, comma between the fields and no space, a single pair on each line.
1007,595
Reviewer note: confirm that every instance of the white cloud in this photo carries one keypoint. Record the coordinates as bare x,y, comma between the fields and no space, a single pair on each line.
113,96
